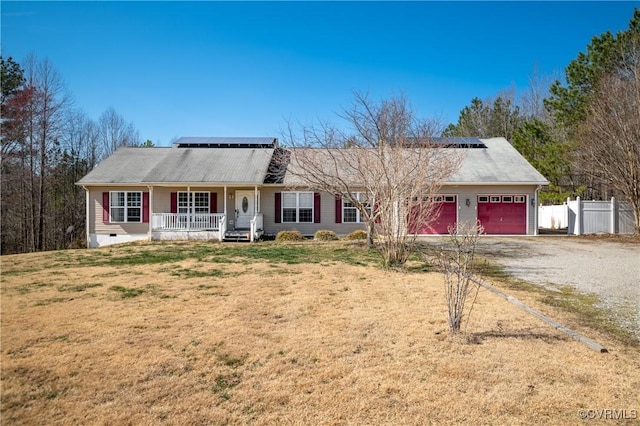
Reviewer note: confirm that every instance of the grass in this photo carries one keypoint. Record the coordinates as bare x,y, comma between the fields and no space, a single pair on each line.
305,333
126,292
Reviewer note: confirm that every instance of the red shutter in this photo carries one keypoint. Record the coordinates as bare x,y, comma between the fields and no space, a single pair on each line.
338,209
213,202
316,208
174,202
278,212
145,207
105,207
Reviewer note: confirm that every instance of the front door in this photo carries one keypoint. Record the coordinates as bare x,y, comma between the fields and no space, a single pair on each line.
245,209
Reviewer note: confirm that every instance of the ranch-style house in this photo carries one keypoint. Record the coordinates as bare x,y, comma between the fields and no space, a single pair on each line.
224,189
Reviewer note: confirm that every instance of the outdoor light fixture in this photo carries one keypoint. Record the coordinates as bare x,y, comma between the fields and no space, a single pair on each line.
468,202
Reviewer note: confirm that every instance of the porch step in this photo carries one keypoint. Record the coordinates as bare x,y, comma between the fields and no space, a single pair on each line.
237,235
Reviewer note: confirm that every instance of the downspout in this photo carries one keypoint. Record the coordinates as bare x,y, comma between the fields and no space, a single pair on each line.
226,219
535,211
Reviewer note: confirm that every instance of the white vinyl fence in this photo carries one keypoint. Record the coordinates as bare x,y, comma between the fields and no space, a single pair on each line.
588,217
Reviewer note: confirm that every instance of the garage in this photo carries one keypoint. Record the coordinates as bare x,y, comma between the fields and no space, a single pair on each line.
448,206
503,214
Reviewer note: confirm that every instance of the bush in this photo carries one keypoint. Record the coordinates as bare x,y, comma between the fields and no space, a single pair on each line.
360,234
325,235
289,236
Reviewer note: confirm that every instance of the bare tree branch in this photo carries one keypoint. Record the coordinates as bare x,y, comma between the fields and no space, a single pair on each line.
388,155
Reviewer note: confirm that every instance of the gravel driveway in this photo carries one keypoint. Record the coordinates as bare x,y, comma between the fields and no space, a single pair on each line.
607,268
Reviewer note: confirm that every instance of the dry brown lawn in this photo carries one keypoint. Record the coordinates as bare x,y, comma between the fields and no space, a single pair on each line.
224,339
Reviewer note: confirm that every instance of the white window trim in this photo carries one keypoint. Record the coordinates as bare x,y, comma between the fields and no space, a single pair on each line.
191,207
515,198
297,207
359,218
125,207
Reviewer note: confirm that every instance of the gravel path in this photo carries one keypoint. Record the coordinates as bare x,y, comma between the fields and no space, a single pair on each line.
591,265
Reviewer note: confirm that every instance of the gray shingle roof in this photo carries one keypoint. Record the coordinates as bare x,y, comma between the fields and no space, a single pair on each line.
484,161
181,165
125,166
219,165
499,162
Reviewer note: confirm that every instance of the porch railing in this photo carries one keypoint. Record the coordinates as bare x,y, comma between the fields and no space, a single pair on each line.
256,225
187,222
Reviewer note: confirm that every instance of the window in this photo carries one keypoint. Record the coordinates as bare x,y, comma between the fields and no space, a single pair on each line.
193,202
125,206
483,199
495,198
449,198
350,212
297,207
507,199
518,199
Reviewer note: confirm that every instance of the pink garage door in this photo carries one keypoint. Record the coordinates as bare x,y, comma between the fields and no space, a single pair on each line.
448,216
503,214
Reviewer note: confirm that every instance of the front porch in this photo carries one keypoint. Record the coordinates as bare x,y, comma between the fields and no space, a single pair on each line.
203,226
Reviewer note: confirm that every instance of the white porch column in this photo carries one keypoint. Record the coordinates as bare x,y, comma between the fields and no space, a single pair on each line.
255,200
150,207
86,227
225,205
189,208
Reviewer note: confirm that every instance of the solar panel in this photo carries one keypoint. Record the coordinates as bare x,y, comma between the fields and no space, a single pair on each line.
226,142
460,142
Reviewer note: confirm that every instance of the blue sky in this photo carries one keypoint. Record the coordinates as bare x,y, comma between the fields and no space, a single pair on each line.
245,69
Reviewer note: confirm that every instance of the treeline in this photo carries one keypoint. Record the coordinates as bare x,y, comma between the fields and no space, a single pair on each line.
583,133
47,145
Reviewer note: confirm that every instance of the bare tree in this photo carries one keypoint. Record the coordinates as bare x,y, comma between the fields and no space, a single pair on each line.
115,132
610,136
47,113
532,101
457,263
385,164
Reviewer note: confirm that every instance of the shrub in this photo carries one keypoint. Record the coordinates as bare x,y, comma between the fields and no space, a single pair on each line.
325,235
289,236
360,234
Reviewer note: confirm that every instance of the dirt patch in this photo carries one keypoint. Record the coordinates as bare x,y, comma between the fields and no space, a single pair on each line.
203,340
